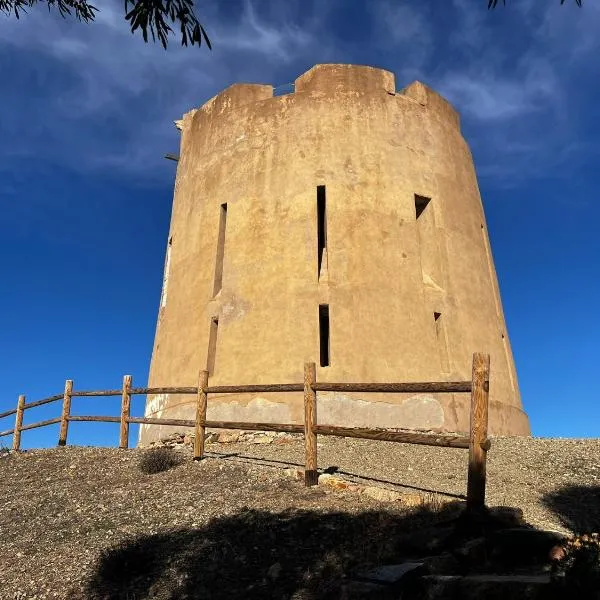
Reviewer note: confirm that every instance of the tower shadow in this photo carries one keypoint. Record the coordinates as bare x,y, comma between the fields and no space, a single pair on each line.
296,554
576,506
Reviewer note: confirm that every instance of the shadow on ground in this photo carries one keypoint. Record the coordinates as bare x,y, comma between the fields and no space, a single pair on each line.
276,464
298,555
577,507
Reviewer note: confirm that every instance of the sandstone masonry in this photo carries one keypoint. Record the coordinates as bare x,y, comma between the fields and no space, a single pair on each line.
340,224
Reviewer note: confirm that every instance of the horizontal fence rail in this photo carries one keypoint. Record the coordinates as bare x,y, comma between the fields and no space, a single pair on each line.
44,401
477,442
394,436
8,413
413,388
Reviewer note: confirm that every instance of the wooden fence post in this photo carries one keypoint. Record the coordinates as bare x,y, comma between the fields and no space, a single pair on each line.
125,412
18,423
310,420
200,416
478,433
66,411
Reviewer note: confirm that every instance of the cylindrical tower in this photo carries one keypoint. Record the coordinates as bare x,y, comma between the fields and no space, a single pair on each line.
340,224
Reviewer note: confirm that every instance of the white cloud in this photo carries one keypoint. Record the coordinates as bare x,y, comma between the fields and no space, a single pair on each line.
281,41
509,72
473,29
401,27
486,95
113,79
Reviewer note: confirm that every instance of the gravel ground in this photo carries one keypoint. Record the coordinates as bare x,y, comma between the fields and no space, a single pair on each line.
76,521
522,472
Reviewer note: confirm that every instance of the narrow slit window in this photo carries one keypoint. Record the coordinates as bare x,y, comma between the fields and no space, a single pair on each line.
321,227
440,335
421,203
220,250
163,296
212,345
324,334
429,242
509,362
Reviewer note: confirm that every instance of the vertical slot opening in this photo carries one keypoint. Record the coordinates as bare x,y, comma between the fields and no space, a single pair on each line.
321,228
324,334
442,343
509,362
427,241
212,345
218,283
421,203
493,280
163,295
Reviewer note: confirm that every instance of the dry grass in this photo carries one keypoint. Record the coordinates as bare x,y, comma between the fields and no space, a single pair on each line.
158,460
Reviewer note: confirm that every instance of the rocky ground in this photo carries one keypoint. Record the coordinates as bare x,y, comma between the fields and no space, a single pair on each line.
84,523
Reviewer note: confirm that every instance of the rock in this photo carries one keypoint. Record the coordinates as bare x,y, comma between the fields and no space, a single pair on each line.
262,439
359,590
472,553
228,438
381,494
337,483
390,574
296,474
556,553
522,546
281,440
426,541
508,516
501,587
274,571
412,500
441,564
476,587
435,587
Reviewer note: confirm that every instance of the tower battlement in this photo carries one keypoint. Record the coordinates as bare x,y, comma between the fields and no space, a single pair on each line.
326,80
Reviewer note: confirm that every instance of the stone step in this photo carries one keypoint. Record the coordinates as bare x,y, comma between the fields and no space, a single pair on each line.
477,587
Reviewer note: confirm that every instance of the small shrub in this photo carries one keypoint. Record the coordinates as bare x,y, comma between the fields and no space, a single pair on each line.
157,460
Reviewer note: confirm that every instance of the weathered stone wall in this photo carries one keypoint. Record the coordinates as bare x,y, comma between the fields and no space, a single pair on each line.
410,299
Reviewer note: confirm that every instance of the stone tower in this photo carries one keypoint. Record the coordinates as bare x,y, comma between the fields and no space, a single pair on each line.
340,224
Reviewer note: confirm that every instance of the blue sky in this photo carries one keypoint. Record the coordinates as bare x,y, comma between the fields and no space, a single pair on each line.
87,116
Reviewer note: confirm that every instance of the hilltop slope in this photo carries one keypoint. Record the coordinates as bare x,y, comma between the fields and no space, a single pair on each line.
86,523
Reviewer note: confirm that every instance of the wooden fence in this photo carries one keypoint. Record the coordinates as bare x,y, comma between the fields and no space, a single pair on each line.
477,442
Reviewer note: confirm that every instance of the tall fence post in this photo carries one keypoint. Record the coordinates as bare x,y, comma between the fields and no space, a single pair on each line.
125,412
66,412
310,420
478,433
18,423
200,416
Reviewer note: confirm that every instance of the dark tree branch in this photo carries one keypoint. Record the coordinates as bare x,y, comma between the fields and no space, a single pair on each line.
493,3
147,15
83,11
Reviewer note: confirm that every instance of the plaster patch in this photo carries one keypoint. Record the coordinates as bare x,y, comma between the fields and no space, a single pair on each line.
156,403
417,412
257,410
233,309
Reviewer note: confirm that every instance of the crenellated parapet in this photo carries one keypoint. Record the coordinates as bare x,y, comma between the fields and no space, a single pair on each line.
325,81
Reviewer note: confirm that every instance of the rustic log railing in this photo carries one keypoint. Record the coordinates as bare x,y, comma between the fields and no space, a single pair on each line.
476,442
